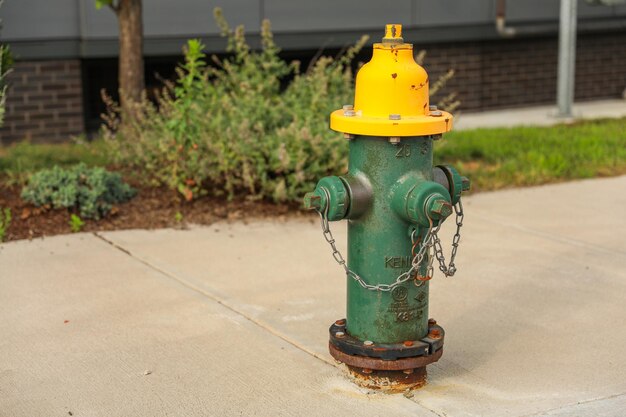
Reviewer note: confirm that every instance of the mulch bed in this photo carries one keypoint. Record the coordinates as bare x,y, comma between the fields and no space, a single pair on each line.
152,208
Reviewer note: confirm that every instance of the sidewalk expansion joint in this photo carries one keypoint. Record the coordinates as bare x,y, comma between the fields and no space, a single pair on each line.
582,402
266,327
438,414
218,300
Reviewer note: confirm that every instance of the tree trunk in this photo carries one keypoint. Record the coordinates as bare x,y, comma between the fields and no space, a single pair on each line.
131,70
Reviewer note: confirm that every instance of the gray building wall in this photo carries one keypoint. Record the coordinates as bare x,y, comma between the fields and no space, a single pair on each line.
74,28
66,50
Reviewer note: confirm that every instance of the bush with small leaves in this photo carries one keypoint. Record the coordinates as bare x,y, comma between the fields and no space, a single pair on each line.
5,222
90,191
252,124
76,223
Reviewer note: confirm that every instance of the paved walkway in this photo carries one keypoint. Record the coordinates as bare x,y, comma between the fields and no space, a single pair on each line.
232,319
540,115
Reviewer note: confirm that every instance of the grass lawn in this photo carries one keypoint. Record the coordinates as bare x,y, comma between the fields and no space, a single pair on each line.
499,158
18,161
491,158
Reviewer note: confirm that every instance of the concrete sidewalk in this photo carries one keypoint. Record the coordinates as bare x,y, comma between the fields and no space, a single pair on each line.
233,319
540,115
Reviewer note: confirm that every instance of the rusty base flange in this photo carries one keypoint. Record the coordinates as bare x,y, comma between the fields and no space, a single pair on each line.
386,367
389,381
365,362
346,343
390,376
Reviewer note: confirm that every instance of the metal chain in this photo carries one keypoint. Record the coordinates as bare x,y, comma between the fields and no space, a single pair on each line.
450,269
418,257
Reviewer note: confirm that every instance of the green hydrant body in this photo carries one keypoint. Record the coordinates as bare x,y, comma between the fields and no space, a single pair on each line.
394,201
379,244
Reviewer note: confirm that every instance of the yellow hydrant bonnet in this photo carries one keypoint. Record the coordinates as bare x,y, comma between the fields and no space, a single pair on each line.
391,95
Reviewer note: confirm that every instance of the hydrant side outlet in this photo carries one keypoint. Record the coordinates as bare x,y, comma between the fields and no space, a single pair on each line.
395,202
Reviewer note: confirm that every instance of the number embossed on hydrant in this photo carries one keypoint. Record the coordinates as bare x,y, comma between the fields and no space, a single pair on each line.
404,150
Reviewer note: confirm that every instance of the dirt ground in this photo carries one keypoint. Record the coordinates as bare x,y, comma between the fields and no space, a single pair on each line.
150,209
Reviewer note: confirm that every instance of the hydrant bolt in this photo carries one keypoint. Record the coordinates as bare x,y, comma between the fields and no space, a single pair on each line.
438,208
312,201
465,184
331,195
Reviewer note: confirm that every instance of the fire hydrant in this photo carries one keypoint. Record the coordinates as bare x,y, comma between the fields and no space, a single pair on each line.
395,202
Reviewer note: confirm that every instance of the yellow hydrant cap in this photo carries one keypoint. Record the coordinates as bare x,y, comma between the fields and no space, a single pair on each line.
391,95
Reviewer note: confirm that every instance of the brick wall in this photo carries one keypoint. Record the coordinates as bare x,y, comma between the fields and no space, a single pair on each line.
44,102
518,72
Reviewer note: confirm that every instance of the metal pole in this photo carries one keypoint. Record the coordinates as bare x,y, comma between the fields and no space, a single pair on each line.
567,58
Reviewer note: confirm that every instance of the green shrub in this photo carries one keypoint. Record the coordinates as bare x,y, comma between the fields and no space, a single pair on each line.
91,191
233,129
6,61
5,222
76,223
230,129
